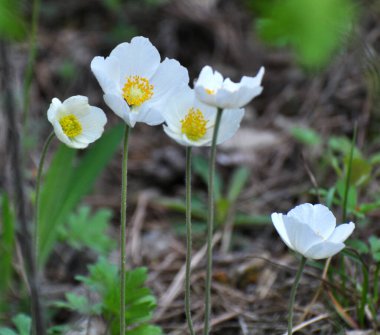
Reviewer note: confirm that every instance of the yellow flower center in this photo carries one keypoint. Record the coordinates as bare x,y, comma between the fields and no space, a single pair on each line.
137,90
70,125
209,91
194,125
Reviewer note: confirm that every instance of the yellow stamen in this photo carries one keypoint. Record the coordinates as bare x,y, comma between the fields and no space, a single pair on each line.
137,90
71,126
209,91
194,125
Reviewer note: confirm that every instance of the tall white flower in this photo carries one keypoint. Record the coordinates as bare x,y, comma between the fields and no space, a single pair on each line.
191,122
75,122
213,90
311,230
135,83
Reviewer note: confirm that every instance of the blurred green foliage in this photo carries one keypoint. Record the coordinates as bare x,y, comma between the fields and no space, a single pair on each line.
23,324
315,29
7,249
67,181
84,229
12,25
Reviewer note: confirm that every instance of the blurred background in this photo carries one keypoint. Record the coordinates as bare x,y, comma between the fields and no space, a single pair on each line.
322,78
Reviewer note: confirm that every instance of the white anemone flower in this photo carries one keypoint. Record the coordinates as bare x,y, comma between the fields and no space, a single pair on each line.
311,230
75,122
135,83
191,122
213,90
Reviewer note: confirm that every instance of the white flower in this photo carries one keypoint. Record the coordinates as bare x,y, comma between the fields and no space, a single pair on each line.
191,122
311,230
135,84
75,122
213,90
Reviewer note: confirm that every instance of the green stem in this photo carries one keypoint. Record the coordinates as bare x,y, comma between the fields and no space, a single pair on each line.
123,228
37,202
31,60
210,222
348,176
293,294
188,241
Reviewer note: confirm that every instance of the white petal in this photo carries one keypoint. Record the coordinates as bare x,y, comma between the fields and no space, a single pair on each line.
342,232
53,110
175,136
139,58
107,72
301,236
320,219
72,143
77,105
229,124
118,106
177,106
280,227
92,125
205,97
169,77
209,79
149,114
324,250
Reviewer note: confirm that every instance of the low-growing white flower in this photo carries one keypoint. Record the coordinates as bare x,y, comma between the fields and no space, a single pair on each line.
75,122
135,83
311,230
191,122
213,90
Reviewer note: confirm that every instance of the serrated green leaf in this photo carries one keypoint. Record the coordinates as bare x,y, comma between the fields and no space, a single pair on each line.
86,230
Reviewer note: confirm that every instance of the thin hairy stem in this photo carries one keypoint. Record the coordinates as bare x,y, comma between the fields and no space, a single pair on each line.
188,242
210,222
123,228
293,294
37,202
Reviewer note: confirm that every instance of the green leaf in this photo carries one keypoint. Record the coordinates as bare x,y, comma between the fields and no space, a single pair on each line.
85,230
237,183
140,303
12,25
67,182
7,331
314,29
306,136
360,171
23,324
7,239
360,246
79,304
145,330
200,166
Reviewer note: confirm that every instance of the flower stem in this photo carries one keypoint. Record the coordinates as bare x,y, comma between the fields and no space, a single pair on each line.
31,60
37,202
123,227
293,294
210,222
188,241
